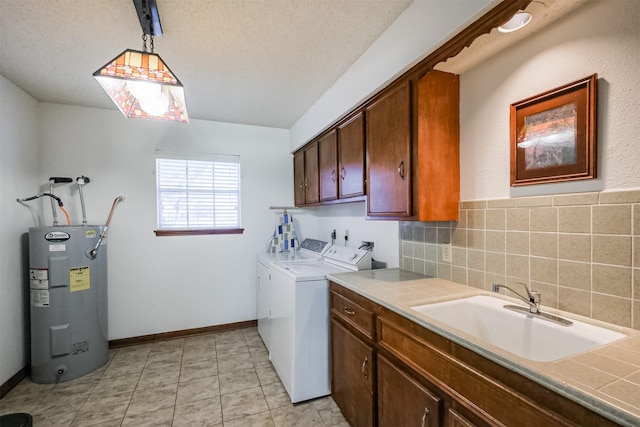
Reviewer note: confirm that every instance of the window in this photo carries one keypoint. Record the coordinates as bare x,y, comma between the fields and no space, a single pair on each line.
198,195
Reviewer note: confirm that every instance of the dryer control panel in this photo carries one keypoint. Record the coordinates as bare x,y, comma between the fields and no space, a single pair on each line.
351,258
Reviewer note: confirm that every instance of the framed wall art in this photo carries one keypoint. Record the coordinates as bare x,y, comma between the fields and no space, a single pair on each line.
553,135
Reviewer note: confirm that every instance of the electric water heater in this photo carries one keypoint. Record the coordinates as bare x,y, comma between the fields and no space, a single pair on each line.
68,286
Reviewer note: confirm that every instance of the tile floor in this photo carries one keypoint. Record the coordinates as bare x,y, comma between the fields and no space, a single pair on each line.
222,379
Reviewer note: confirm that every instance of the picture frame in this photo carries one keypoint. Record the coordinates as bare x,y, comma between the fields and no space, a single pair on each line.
553,135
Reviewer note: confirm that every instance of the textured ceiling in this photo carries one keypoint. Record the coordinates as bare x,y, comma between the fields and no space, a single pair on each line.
260,62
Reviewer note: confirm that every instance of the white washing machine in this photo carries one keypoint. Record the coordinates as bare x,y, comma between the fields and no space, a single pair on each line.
310,250
299,319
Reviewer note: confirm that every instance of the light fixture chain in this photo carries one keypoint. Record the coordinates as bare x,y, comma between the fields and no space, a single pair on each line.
144,42
152,43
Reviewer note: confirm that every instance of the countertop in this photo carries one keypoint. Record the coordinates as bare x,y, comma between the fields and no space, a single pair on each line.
605,379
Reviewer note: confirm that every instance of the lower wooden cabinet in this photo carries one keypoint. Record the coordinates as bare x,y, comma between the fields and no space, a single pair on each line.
352,373
388,371
403,401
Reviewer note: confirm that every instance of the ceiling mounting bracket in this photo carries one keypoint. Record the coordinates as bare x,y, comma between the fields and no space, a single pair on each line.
149,17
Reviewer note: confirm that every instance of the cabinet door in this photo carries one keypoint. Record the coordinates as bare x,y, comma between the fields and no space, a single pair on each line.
388,124
328,163
311,187
402,401
351,157
298,178
263,287
352,373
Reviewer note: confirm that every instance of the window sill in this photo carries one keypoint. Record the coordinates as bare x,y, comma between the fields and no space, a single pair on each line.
198,232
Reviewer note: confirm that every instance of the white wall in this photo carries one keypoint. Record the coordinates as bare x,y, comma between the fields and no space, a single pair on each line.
599,37
160,284
350,216
18,179
408,40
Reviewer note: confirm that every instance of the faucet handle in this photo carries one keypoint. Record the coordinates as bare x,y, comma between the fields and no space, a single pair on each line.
535,297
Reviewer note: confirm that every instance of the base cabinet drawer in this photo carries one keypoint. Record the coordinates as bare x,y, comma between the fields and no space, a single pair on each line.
402,401
354,314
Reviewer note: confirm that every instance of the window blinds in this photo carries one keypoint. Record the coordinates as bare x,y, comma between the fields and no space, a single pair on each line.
200,193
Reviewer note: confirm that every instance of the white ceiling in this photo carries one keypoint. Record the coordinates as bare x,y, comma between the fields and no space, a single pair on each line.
260,62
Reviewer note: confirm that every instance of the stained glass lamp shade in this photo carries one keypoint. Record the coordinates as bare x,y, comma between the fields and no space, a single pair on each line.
142,86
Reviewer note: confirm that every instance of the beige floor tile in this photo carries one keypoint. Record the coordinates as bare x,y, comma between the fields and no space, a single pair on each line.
135,352
276,395
235,362
267,375
233,381
232,348
60,403
203,413
159,418
55,419
167,345
230,337
195,369
199,340
168,358
109,408
197,353
82,385
110,386
329,411
153,399
255,342
243,403
203,388
260,359
195,381
262,419
124,367
114,423
300,415
151,378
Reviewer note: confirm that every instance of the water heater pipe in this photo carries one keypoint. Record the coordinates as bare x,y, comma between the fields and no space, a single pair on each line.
93,252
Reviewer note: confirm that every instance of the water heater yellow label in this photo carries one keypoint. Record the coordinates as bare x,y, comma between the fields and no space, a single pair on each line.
79,278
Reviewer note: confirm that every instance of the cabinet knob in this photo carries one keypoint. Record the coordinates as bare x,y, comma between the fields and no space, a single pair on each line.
401,169
349,312
343,173
365,372
424,417
333,176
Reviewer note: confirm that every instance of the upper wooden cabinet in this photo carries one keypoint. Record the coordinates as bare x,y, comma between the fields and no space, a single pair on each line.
389,165
351,156
413,150
298,178
305,175
408,138
437,147
331,168
328,166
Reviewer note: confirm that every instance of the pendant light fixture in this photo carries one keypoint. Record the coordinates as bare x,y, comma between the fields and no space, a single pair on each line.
139,82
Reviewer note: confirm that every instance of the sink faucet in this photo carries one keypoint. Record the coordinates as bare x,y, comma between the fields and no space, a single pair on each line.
534,297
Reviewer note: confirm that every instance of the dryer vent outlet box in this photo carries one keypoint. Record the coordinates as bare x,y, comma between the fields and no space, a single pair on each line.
68,299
